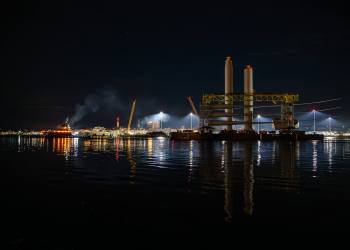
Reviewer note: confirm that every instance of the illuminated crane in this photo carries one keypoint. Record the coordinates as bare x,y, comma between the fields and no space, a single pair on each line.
131,115
192,105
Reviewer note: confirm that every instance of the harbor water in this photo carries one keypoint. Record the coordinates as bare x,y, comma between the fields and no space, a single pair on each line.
161,184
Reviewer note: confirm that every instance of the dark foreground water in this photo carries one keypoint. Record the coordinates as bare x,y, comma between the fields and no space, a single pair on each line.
80,187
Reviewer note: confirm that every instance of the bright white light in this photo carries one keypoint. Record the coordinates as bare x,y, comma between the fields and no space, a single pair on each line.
191,114
259,116
161,119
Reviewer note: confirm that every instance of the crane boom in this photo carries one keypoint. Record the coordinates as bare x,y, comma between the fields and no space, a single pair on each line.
131,114
192,105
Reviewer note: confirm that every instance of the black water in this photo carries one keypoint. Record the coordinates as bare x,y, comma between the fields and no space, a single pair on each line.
80,187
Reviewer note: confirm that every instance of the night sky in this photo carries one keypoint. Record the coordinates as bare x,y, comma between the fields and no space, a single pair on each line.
56,55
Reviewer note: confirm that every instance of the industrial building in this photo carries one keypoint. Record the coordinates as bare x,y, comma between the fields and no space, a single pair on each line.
153,125
218,109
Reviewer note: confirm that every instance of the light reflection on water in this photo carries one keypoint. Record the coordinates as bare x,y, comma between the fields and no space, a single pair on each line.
237,170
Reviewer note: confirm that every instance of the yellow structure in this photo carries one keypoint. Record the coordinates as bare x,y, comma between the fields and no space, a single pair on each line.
131,115
215,106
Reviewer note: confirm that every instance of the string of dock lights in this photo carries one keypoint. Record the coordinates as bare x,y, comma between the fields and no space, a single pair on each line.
166,120
315,117
317,120
329,121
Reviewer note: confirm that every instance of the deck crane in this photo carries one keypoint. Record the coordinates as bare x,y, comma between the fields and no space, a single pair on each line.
131,115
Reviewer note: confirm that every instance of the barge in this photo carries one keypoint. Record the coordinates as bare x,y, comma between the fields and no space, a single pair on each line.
244,136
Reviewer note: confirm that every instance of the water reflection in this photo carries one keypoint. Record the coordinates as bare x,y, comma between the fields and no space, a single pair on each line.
131,160
28,143
273,151
190,162
209,169
258,161
227,163
237,174
65,146
117,142
248,179
314,157
160,152
290,177
297,150
231,171
329,149
19,144
149,146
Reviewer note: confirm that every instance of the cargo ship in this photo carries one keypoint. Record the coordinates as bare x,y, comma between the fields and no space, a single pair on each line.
64,130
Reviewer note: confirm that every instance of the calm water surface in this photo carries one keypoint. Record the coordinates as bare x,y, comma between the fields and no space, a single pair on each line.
146,182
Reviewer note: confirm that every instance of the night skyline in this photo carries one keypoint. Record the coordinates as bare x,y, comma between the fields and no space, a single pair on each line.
54,56
137,119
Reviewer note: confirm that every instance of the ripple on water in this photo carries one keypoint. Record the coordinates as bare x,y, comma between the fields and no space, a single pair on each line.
237,172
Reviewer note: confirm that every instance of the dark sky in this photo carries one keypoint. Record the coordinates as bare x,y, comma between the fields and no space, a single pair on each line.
55,54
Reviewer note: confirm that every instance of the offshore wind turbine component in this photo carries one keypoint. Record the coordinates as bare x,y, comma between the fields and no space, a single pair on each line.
228,88
248,98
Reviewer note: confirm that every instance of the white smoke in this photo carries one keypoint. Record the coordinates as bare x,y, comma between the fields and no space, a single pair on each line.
99,102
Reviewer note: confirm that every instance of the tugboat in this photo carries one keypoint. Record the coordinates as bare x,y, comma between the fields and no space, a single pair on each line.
63,130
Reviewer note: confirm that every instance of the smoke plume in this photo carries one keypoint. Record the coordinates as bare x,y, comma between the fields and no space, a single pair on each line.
103,102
